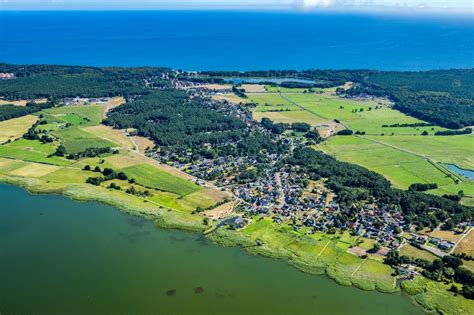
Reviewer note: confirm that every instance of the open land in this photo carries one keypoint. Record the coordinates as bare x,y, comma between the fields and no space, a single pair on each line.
32,164
176,199
401,154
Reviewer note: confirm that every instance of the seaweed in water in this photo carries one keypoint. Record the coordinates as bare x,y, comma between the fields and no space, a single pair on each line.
171,292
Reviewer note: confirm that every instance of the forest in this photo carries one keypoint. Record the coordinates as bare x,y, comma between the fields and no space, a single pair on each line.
38,81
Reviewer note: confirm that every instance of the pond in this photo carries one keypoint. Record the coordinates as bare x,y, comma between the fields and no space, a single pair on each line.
264,80
58,256
460,171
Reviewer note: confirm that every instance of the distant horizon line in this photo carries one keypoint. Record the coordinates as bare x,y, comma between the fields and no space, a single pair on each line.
400,10
407,12
228,70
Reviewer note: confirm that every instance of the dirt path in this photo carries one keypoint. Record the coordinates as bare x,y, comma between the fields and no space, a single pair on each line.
358,267
460,240
322,250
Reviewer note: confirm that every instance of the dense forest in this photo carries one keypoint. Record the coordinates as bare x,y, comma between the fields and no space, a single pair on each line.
170,118
12,111
173,120
39,81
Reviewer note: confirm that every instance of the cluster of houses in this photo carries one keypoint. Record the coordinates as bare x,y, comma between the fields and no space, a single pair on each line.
6,76
424,240
284,195
73,101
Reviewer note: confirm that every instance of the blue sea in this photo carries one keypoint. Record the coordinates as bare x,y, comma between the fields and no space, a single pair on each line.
222,40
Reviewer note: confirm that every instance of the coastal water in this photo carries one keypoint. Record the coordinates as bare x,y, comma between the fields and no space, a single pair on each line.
58,256
237,40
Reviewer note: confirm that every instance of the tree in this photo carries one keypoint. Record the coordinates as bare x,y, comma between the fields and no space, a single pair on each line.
122,176
60,151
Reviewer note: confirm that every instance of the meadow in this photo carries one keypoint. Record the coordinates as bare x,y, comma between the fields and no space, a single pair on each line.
15,128
401,154
77,140
78,128
149,176
89,115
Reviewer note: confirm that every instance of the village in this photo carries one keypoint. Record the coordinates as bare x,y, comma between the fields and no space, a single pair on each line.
271,189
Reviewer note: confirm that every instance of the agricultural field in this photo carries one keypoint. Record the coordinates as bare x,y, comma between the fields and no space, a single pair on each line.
458,150
149,176
401,154
413,252
78,128
279,89
466,245
33,151
112,135
77,140
14,128
89,115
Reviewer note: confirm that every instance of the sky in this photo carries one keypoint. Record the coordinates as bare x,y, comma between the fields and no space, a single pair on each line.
464,6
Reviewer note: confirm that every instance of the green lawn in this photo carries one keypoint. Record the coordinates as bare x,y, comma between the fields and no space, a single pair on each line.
77,140
150,176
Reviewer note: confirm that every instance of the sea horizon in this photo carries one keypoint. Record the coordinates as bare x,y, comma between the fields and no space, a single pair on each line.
244,40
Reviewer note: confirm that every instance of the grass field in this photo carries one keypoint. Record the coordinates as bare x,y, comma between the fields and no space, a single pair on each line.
77,140
14,128
401,154
150,176
466,245
457,150
279,89
87,115
112,135
413,252
33,151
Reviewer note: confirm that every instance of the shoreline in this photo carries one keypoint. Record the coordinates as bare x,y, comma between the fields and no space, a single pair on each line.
172,219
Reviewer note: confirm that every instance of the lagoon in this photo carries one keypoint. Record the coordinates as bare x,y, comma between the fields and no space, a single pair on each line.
58,256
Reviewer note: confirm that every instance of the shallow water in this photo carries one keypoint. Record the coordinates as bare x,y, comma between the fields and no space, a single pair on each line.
58,256
463,172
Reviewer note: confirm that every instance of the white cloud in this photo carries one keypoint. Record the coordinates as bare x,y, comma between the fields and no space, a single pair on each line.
318,3
345,5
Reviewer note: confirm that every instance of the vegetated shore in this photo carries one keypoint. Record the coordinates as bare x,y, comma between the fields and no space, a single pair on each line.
431,296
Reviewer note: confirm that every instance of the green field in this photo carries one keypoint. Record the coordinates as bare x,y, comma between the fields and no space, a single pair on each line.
401,168
150,176
413,252
401,154
33,151
77,140
86,115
